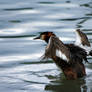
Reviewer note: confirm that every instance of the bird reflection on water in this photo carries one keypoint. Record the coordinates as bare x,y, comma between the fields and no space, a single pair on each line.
63,85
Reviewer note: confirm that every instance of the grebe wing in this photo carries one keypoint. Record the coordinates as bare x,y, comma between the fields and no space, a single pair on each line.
56,47
81,38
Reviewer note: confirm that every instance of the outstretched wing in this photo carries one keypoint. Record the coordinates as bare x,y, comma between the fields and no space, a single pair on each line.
82,41
81,38
55,47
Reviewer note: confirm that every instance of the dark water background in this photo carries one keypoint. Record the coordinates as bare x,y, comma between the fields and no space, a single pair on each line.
21,69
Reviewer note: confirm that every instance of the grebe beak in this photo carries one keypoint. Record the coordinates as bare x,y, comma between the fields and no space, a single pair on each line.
37,38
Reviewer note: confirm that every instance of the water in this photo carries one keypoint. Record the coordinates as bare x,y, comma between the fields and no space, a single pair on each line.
21,68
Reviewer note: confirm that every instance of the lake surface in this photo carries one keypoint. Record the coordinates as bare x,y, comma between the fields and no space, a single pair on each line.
21,68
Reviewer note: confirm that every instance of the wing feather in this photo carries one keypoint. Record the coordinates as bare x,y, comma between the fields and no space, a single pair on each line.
55,47
81,38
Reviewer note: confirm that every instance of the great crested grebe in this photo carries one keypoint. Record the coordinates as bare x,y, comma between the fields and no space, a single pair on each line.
68,57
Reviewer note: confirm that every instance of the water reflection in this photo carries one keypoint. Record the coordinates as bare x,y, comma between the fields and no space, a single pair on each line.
20,65
59,83
67,86
64,5
18,9
22,57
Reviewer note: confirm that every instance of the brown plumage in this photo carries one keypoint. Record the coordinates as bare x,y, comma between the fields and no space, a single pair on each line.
67,56
83,38
55,44
77,52
83,42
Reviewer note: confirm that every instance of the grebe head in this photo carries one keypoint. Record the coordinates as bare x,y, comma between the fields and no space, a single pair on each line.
45,36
